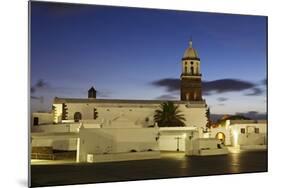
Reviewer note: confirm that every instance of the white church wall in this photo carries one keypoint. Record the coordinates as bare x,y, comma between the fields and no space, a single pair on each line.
194,116
140,116
113,141
137,115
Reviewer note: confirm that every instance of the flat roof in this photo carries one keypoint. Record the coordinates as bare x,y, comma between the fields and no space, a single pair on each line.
246,121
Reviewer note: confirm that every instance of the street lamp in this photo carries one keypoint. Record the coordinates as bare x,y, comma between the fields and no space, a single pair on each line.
178,142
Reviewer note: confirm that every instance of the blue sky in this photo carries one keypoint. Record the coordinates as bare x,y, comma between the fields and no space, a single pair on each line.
123,52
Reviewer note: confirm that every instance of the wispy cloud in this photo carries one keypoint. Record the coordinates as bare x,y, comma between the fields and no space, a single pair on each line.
167,97
226,85
264,81
102,93
251,114
170,84
210,87
255,92
38,85
222,99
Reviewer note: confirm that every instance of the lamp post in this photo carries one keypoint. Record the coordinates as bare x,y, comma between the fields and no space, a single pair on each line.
178,142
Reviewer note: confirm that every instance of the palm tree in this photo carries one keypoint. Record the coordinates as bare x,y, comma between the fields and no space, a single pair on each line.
169,115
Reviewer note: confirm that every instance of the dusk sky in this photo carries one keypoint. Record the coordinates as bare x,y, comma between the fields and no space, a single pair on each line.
133,53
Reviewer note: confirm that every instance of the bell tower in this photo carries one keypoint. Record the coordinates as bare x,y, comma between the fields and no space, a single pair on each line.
92,93
191,86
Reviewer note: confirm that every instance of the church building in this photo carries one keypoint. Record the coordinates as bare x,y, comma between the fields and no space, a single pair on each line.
138,113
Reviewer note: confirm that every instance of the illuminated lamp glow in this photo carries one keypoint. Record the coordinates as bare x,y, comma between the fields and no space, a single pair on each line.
235,137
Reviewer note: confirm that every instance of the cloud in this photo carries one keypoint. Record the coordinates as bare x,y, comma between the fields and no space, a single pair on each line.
41,99
226,85
171,84
210,87
35,98
38,85
255,115
166,97
222,99
255,92
264,81
104,94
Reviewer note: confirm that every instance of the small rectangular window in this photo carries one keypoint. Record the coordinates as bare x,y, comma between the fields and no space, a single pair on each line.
243,130
35,121
257,130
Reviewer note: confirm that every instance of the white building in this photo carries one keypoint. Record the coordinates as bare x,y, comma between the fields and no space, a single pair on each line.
244,134
140,112
107,119
123,113
42,118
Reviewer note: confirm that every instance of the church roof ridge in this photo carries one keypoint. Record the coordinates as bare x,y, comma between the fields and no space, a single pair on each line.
130,101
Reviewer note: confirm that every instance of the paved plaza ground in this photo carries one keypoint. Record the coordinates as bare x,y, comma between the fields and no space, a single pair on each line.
170,165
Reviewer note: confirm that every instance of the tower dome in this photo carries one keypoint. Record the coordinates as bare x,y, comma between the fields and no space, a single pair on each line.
190,52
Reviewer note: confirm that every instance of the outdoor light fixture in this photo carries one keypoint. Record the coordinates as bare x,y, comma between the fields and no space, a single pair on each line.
235,138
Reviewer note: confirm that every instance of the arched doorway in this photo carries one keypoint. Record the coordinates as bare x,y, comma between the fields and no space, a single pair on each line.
221,137
77,116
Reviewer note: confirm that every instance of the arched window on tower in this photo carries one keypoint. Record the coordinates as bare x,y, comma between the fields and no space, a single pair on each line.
187,96
195,96
192,70
185,69
191,95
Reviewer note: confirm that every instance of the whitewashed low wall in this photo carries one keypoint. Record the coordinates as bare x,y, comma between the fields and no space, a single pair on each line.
173,138
55,128
169,143
208,146
57,144
97,158
106,141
